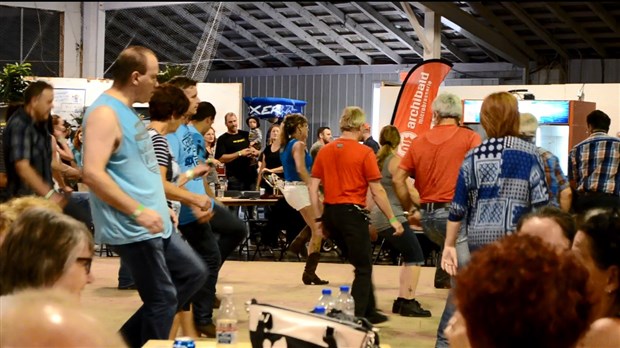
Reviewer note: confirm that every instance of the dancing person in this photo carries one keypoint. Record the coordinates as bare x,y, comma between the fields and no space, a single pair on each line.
128,202
407,243
296,162
347,169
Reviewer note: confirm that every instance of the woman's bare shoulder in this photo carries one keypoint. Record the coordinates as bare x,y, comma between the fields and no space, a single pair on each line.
604,332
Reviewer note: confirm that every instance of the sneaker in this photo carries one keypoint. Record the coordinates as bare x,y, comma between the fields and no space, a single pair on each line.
207,330
412,308
377,318
397,304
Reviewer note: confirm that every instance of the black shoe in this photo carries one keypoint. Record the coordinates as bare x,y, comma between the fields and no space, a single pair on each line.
207,330
377,318
128,287
397,304
412,308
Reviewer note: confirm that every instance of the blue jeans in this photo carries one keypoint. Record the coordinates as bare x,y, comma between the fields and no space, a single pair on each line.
202,240
463,256
167,273
228,229
125,279
78,207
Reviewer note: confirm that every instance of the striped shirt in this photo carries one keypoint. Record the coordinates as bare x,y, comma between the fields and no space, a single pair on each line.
594,164
555,178
165,159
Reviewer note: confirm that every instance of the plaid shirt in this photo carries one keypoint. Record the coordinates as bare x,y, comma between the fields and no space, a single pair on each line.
594,164
555,178
24,139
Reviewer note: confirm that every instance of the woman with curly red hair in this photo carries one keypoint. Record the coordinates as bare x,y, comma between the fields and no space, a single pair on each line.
540,298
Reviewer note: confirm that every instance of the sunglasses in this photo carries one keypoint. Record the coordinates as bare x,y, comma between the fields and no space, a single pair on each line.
87,262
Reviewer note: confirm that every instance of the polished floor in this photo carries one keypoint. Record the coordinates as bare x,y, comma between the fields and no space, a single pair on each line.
279,282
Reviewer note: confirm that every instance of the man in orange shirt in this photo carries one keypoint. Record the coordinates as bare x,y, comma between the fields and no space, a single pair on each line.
347,169
434,160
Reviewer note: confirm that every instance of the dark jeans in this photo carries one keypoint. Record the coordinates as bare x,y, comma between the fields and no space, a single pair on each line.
228,229
348,228
167,273
463,256
125,279
202,240
78,207
434,225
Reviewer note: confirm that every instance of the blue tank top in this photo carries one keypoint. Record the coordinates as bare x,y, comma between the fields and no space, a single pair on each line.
288,162
134,168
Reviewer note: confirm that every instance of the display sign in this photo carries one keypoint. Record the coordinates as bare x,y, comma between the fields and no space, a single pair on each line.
546,111
273,109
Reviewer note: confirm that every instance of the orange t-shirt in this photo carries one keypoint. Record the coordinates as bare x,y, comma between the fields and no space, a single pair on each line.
434,160
345,167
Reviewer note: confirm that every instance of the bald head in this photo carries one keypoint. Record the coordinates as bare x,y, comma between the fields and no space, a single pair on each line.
50,318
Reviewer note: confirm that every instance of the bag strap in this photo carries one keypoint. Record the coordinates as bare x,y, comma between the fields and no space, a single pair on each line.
329,338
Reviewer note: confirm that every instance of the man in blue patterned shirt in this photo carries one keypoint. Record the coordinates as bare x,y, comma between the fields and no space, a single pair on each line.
594,166
560,194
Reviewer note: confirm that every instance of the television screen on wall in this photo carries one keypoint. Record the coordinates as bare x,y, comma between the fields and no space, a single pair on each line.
546,111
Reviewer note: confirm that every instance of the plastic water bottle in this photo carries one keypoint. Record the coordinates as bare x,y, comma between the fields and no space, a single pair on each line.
326,300
319,310
345,302
226,325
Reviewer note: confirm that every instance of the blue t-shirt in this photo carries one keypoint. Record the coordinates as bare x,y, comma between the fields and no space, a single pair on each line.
184,148
133,167
288,162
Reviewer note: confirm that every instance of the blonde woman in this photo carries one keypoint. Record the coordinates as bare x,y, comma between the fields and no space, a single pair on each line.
407,243
296,162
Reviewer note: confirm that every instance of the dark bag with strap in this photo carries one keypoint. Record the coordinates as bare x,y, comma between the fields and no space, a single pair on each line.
278,327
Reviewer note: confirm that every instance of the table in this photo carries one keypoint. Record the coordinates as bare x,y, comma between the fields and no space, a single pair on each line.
247,202
199,344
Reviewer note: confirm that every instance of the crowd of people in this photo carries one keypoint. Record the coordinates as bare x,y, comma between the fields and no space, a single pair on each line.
529,253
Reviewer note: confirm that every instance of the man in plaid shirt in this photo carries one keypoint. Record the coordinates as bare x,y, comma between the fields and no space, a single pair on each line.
594,166
560,194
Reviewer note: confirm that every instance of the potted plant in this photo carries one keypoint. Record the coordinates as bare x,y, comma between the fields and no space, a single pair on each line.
13,84
171,71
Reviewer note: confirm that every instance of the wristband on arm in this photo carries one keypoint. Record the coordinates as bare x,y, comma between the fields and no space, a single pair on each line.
49,194
138,211
393,219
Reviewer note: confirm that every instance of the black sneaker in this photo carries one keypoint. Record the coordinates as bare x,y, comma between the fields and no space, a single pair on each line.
412,308
377,318
397,304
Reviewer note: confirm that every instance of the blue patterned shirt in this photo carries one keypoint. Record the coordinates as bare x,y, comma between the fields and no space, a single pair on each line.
498,182
594,164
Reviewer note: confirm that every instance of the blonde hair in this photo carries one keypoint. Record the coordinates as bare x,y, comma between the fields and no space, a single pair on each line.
389,138
352,119
11,210
499,115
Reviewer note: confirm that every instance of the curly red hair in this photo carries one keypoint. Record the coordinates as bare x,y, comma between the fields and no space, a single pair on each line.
520,292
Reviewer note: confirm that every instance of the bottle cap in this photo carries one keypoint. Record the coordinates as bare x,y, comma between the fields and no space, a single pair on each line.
319,310
344,288
227,290
326,291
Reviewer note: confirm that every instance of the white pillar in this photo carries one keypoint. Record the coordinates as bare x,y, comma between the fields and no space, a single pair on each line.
72,34
93,39
432,32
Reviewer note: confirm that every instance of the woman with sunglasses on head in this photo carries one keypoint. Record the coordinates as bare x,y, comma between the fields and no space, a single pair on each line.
46,249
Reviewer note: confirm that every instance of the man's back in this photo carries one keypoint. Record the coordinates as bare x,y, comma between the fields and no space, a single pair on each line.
594,164
434,160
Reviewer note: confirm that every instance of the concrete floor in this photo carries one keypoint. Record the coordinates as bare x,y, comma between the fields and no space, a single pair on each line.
279,283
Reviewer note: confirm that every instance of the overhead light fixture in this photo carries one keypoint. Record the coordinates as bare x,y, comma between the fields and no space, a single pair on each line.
398,26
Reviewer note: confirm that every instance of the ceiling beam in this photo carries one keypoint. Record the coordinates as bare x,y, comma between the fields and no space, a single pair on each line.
389,27
559,12
535,27
359,30
604,15
123,5
503,29
307,15
415,20
301,33
472,29
238,11
231,63
221,38
250,37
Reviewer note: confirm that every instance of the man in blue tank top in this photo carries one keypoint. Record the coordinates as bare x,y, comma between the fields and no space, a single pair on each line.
128,202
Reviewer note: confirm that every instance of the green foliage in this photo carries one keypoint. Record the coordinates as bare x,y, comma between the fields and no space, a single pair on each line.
12,82
171,71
